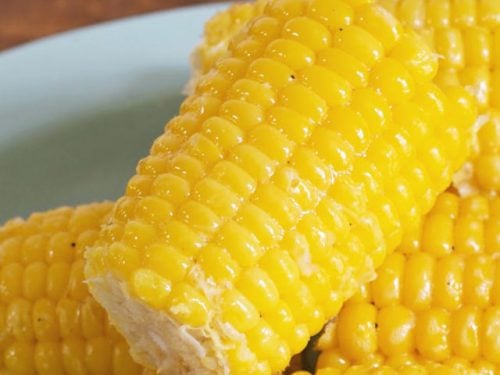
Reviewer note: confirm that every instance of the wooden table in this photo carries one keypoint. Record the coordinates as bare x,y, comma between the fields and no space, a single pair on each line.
25,20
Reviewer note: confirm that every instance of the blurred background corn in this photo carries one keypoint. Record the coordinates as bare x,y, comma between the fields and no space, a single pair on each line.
49,323
435,301
466,37
290,173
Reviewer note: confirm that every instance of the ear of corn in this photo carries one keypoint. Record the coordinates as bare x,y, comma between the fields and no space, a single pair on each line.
466,37
290,173
435,302
49,323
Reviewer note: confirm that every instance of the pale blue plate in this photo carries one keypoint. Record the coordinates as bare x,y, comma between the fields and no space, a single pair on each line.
78,110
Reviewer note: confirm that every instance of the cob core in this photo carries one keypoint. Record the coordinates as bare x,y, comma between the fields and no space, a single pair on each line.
290,173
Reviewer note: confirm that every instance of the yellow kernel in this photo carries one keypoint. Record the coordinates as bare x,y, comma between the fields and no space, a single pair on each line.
151,287
218,263
438,13
490,347
238,311
269,71
11,281
469,235
68,315
478,280
308,32
242,114
253,92
171,188
265,28
188,305
487,172
278,204
73,356
448,44
98,352
356,330
240,242
9,250
223,133
57,280
312,168
19,358
122,362
152,165
345,65
281,269
77,289
167,261
34,280
386,288
138,234
392,79
18,320
301,304
92,318
330,86
187,167
332,14
260,223
256,285
200,107
379,22
437,236
33,249
396,330
373,107
253,161
153,210
449,282
295,126
235,177
476,79
60,248
304,101
290,53
416,56
351,126
477,46
359,43
489,13
417,282
269,140
285,8
464,332
432,334
139,186
122,259
198,217
45,323
48,359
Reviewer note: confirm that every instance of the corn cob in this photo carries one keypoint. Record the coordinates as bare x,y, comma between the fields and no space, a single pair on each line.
465,34
434,301
289,174
49,323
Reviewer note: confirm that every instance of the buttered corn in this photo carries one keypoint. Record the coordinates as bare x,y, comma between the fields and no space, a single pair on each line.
292,170
49,323
435,300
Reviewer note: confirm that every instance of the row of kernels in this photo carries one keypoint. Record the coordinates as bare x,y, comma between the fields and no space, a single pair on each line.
45,320
420,281
361,331
39,280
419,14
466,228
98,355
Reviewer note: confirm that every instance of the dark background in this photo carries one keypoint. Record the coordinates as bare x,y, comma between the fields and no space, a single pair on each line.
25,20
